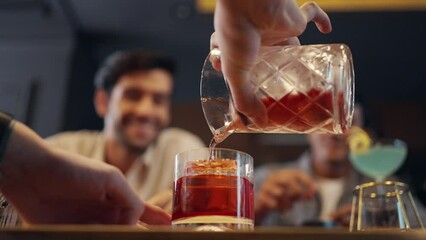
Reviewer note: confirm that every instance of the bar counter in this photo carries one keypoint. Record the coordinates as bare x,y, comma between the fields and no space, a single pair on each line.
71,232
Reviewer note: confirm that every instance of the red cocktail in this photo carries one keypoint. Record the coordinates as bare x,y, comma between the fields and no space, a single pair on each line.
306,112
215,192
210,194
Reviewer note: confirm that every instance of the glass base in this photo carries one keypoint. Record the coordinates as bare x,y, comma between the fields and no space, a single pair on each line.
214,223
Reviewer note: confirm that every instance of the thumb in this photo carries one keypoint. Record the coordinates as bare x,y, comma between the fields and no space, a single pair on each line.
154,215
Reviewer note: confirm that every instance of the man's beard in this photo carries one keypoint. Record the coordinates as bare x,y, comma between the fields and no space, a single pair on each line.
131,147
133,141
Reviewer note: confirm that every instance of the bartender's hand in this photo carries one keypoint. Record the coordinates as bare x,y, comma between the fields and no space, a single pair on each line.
50,186
281,190
243,26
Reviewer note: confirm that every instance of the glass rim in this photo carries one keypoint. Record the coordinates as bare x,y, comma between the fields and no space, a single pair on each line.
402,185
223,161
388,141
215,150
216,51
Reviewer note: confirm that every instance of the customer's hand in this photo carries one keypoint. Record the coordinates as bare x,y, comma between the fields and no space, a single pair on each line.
50,186
342,216
243,26
282,189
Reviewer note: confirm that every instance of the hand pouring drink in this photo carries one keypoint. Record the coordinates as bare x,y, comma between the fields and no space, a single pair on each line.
305,89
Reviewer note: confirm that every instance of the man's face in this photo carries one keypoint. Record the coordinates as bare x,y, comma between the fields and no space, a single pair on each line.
329,155
139,107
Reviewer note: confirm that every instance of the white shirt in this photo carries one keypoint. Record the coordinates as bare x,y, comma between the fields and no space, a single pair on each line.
151,175
330,191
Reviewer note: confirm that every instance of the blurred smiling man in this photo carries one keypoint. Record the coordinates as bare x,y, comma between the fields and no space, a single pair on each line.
133,91
136,107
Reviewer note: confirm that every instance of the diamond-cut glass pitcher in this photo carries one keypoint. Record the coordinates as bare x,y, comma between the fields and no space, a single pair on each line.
305,89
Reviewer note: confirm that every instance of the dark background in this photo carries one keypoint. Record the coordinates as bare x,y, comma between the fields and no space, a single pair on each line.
50,50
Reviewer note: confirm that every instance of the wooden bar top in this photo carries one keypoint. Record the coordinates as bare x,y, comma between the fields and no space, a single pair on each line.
106,232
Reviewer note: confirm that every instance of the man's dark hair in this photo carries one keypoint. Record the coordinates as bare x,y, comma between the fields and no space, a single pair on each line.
125,62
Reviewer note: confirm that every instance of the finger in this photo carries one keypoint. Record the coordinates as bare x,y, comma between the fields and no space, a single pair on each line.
294,190
119,194
277,190
264,200
313,12
214,55
213,41
280,190
299,185
273,187
155,216
342,218
214,58
142,225
293,41
345,222
129,215
243,95
286,18
285,199
308,185
246,102
342,212
239,43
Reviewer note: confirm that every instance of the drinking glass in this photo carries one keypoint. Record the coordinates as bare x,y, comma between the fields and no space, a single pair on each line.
381,159
305,89
384,206
213,190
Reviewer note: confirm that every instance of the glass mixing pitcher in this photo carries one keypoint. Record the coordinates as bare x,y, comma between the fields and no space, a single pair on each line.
305,89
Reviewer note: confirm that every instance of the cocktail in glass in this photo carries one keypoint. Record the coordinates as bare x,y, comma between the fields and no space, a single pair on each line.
383,158
382,204
213,189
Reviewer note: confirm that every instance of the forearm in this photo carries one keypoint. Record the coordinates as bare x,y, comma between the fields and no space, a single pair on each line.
39,180
24,150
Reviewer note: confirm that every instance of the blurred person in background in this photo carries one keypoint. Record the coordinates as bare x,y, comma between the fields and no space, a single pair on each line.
314,190
133,91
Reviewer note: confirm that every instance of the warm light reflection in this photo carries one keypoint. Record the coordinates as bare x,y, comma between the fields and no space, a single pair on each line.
207,6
